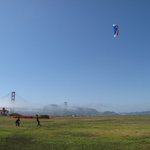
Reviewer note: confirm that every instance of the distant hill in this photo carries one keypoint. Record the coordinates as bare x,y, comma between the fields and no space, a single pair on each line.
108,113
57,110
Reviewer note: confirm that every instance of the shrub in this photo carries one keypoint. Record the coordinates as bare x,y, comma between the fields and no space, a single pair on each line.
15,114
44,116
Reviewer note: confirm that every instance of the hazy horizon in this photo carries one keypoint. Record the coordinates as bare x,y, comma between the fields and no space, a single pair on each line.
20,102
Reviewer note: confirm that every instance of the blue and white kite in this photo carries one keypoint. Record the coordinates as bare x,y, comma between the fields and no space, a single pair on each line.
116,30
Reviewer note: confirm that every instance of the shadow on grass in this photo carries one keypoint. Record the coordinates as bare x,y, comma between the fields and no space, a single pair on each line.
24,142
16,142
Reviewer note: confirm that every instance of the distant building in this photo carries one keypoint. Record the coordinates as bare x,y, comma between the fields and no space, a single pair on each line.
4,112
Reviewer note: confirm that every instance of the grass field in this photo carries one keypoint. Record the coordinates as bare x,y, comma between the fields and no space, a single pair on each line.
80,133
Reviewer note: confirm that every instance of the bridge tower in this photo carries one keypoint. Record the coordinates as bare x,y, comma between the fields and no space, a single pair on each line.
13,95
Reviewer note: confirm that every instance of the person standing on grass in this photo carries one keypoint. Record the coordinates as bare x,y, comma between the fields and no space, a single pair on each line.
37,119
18,122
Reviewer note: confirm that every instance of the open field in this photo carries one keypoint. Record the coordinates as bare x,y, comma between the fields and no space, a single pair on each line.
80,133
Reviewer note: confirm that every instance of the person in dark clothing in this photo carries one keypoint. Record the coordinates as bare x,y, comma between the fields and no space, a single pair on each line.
37,119
18,122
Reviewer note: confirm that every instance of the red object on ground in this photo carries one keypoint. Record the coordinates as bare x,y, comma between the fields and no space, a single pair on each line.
25,117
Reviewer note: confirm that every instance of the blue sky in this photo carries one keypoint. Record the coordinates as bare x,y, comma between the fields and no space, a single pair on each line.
53,51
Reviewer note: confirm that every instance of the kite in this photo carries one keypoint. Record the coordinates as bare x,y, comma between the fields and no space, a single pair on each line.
116,30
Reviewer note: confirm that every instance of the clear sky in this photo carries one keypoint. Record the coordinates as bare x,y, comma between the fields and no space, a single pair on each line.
53,51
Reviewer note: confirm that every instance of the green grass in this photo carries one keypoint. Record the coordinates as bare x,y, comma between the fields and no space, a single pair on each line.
80,133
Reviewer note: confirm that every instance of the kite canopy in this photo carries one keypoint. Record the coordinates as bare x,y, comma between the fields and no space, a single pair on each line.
116,30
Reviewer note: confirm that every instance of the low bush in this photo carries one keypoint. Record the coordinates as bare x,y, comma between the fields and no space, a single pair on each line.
15,114
44,116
